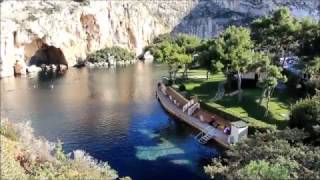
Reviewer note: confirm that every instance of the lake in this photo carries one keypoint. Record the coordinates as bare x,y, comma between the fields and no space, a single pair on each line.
114,116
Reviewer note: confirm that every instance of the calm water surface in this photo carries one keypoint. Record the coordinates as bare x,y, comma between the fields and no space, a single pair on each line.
111,114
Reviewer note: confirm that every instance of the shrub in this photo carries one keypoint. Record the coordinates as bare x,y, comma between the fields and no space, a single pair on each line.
306,114
182,87
270,155
264,170
119,54
10,167
29,157
311,87
7,130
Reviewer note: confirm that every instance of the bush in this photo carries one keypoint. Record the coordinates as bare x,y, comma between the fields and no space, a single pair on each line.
311,87
270,155
119,54
306,113
7,130
264,170
182,87
29,157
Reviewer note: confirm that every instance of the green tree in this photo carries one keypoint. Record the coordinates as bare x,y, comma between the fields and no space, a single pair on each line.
309,40
120,54
235,51
170,53
312,67
188,45
185,60
272,75
277,33
175,51
208,57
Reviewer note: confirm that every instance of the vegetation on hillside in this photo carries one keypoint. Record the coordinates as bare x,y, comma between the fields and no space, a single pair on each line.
24,156
272,155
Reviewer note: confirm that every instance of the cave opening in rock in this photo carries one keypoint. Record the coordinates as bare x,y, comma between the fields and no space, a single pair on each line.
38,52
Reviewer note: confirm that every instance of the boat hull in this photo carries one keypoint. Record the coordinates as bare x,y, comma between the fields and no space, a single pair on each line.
172,109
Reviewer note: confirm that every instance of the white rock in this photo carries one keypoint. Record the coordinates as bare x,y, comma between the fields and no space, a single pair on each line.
148,57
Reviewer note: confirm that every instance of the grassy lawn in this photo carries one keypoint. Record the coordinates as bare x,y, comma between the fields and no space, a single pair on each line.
248,109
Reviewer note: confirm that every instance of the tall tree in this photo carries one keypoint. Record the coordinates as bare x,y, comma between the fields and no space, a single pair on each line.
309,39
188,45
271,76
309,46
277,33
164,52
235,51
208,57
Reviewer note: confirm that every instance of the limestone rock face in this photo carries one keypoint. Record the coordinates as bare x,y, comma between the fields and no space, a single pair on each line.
81,28
209,17
78,29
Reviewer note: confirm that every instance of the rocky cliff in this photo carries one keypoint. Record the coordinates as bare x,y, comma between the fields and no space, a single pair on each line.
80,28
211,16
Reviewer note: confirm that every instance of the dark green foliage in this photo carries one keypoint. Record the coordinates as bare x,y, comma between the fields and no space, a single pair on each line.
264,170
312,87
234,49
119,54
175,51
276,33
306,114
309,40
182,87
274,153
162,38
165,47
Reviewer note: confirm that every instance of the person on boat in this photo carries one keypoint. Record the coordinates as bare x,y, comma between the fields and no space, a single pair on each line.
213,119
227,130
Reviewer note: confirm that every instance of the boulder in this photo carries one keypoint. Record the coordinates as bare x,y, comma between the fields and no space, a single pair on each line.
89,64
148,57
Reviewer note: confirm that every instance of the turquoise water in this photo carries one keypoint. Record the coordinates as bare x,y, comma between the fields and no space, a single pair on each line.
113,115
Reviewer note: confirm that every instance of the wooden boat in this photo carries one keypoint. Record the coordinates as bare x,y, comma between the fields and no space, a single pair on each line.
176,104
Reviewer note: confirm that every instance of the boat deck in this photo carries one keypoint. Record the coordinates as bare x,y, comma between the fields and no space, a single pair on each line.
194,120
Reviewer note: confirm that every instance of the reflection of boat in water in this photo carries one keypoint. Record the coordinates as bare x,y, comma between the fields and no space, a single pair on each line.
211,126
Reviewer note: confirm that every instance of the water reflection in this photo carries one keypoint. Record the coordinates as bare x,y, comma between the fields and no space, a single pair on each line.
113,115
